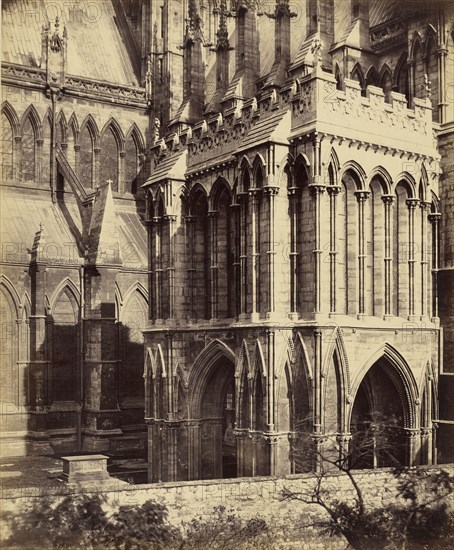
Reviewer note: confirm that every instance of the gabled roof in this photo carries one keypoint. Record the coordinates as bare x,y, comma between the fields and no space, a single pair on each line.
173,167
95,48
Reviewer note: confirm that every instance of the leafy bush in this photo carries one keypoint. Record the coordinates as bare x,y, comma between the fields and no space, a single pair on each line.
225,530
80,521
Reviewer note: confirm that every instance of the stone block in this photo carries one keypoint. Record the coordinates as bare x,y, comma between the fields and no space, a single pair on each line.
85,468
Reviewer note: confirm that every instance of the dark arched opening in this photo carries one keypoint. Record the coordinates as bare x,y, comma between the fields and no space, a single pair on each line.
377,422
218,443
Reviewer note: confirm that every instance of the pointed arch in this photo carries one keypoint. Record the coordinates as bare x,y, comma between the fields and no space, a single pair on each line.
243,362
383,177
115,127
358,75
73,125
386,81
137,286
32,115
62,128
216,353
372,77
430,35
408,182
211,353
65,284
219,187
415,43
11,291
9,333
90,123
133,320
332,167
357,171
258,171
400,374
400,79
11,115
135,134
258,365
246,174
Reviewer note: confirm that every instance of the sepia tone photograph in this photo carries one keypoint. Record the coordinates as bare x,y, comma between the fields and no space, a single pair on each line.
227,275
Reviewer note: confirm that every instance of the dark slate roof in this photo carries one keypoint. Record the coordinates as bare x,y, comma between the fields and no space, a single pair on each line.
21,215
171,167
95,48
133,238
270,128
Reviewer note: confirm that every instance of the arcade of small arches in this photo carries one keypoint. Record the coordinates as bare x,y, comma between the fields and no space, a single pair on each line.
352,245
94,155
41,355
233,416
415,73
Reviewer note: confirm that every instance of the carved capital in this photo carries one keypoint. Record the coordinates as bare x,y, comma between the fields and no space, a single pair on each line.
434,217
412,203
362,196
316,189
333,189
388,199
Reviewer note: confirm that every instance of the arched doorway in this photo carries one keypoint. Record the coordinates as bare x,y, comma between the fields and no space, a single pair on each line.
377,421
218,458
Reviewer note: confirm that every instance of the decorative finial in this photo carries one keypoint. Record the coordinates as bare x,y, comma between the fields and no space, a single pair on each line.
316,50
223,33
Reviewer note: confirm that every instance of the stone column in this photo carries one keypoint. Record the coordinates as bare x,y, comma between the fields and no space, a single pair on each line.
316,191
213,217
121,172
100,407
158,272
434,221
333,191
271,192
424,289
190,235
293,199
17,158
361,197
77,159
413,441
243,198
40,372
412,204
236,295
39,161
411,80
388,201
254,253
170,220
96,154
317,381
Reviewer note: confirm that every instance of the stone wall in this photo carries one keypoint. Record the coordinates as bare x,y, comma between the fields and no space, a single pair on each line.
247,497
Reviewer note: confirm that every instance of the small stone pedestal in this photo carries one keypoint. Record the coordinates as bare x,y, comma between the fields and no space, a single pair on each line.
85,468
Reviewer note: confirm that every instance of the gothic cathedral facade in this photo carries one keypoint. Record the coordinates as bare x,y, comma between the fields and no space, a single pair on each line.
228,231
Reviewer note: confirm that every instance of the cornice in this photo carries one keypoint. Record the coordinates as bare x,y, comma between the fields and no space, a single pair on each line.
20,75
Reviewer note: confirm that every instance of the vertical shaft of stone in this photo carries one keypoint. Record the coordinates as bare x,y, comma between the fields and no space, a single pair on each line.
292,191
434,220
361,197
411,203
254,254
333,192
213,218
271,192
